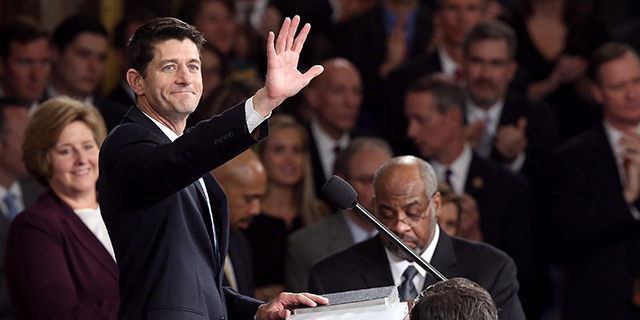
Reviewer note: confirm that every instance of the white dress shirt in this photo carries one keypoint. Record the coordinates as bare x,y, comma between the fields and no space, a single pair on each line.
92,218
449,66
399,265
459,169
613,135
326,146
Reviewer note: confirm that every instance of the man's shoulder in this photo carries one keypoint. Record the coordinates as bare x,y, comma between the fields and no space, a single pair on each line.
490,171
352,257
319,230
474,252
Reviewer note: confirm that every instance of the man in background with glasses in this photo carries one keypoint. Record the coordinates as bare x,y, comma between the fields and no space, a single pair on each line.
407,202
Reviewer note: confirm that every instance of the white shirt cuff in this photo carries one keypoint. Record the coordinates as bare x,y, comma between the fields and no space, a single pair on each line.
254,119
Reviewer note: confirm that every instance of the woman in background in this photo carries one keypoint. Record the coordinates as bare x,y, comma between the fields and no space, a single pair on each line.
60,263
289,203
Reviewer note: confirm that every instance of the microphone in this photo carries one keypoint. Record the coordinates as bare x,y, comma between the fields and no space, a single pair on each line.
341,194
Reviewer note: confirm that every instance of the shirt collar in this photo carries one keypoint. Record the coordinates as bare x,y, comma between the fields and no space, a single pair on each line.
326,146
459,169
475,113
398,265
449,66
167,132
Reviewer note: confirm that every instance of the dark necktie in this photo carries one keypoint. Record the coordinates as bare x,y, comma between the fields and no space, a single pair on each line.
447,177
407,288
12,207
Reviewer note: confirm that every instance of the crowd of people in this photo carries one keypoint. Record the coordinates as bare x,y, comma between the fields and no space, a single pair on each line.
498,139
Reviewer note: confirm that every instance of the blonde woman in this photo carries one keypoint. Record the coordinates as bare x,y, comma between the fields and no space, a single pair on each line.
289,203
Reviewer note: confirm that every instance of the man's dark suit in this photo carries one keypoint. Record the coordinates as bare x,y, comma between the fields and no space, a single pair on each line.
30,192
505,211
158,221
365,265
56,267
241,255
596,236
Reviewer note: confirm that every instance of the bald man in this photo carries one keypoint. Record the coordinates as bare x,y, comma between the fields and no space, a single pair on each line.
335,98
244,180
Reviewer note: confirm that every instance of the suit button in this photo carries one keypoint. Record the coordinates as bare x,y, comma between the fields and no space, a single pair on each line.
231,134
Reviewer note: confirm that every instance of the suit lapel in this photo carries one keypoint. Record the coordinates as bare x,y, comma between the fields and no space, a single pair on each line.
443,258
376,274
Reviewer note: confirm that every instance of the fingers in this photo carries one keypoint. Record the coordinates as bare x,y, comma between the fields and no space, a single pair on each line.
271,51
302,37
522,124
281,42
316,298
293,27
313,72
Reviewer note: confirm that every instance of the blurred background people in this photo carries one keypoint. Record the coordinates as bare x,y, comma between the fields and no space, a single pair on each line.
454,299
357,164
79,51
288,205
596,196
24,60
334,99
60,262
493,198
244,181
554,40
17,189
450,211
121,98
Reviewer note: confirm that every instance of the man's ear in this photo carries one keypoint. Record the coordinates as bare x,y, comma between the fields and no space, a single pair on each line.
136,81
597,92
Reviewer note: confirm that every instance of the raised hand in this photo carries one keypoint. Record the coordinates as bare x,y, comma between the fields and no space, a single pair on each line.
511,140
630,141
283,78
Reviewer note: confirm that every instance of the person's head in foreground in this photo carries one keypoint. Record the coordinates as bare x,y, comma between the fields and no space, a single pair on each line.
454,299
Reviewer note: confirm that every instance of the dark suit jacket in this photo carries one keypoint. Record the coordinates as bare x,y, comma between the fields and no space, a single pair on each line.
312,243
30,192
597,238
505,210
56,267
241,255
159,224
365,265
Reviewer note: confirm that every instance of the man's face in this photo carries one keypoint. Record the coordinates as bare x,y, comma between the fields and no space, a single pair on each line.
457,17
27,69
79,68
244,199
363,167
428,128
619,90
217,24
403,206
488,70
10,147
173,84
337,97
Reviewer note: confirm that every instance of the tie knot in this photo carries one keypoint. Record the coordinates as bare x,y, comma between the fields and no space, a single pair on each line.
409,273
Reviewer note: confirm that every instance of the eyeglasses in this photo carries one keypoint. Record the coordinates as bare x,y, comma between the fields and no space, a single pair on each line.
410,219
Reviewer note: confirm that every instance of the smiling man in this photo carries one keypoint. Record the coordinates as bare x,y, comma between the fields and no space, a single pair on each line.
167,216
407,202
